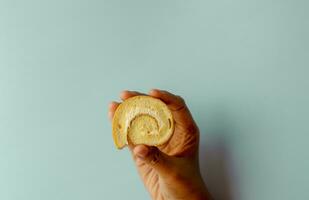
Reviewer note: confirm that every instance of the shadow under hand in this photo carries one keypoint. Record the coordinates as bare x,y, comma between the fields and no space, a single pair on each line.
216,163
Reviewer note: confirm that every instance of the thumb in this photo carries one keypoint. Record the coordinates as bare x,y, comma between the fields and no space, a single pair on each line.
153,157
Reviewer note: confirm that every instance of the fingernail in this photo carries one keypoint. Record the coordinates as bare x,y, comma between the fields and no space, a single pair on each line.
154,91
111,104
123,92
110,115
139,160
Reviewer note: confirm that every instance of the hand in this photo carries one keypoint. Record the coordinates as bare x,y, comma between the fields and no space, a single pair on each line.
170,171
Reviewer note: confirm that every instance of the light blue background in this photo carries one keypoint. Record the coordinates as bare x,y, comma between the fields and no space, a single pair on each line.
241,65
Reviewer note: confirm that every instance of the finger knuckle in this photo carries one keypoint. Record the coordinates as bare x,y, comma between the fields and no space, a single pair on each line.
155,159
181,99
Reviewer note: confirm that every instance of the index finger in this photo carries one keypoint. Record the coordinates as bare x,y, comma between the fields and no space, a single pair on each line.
174,102
128,94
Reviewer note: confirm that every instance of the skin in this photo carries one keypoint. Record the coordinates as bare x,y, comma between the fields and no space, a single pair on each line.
170,171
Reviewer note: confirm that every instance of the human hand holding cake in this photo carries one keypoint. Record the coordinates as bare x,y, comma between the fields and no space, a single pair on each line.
163,138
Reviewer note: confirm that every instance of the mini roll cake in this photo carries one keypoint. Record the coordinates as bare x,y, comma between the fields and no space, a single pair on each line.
142,120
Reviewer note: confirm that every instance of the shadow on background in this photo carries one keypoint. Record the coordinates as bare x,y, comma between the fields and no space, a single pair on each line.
216,161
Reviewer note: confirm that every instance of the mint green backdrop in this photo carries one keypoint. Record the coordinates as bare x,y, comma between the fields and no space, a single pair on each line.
241,65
